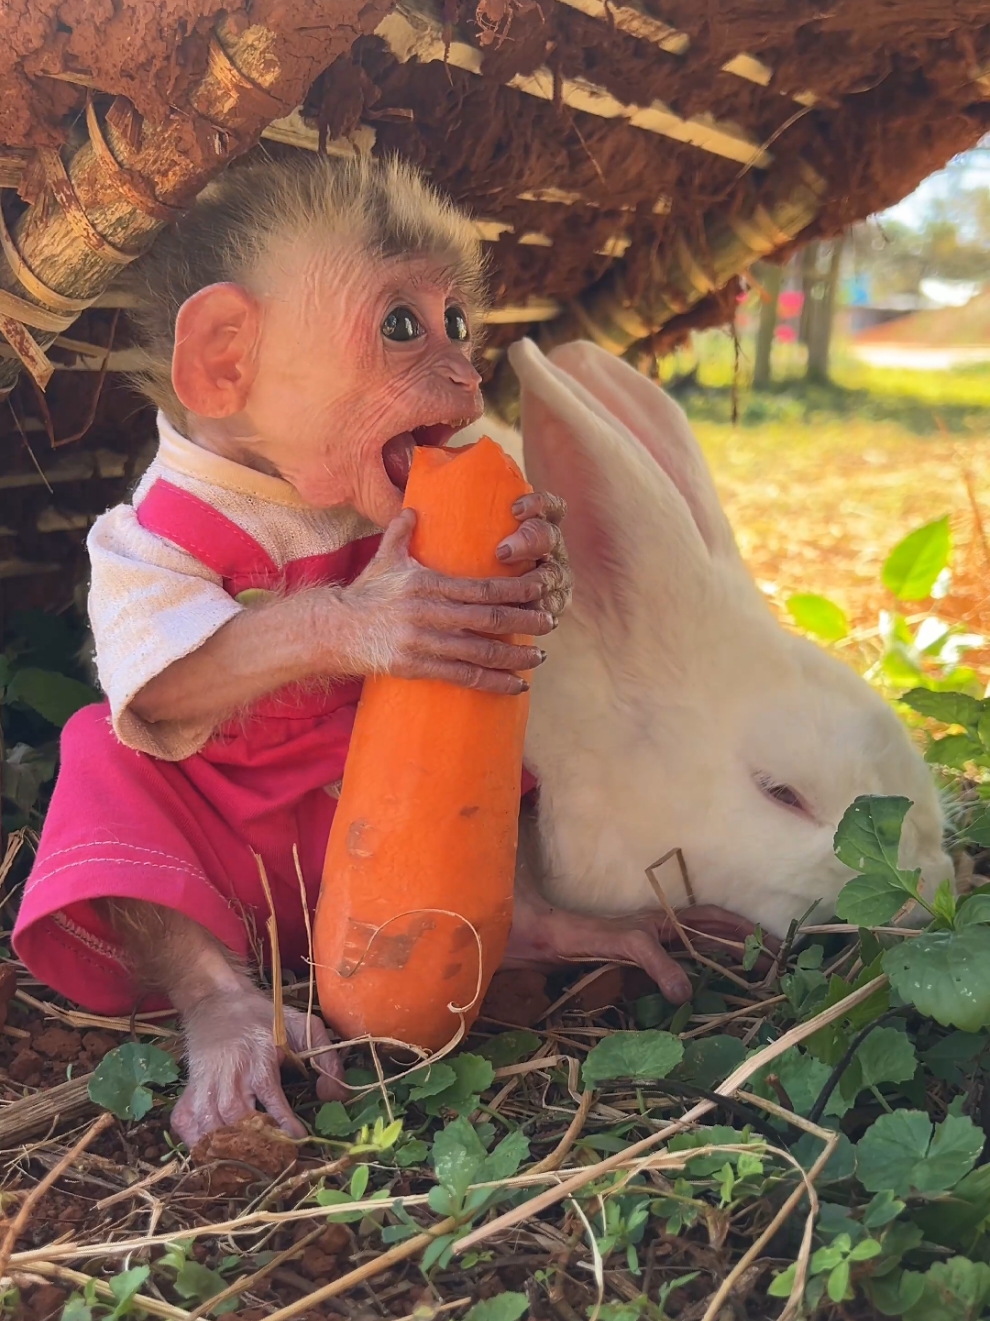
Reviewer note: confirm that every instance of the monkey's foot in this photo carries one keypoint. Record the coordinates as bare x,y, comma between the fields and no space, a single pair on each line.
234,1064
543,936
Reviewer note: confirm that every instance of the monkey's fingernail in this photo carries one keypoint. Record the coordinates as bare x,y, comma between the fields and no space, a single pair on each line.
523,686
542,654
503,551
554,621
519,508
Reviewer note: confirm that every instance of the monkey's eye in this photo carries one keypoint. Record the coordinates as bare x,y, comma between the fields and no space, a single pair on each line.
401,324
456,325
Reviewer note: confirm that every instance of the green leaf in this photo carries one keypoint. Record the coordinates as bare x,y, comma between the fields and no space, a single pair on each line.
973,911
955,751
640,1055
431,1080
869,901
895,1293
118,1082
886,1055
955,1290
944,904
125,1285
709,1060
838,1282
503,1307
899,1153
504,1160
359,1182
509,1048
949,708
883,1209
913,565
76,1309
946,975
869,835
411,1153
752,948
782,1284
458,1154
472,1076
198,1282
52,695
333,1121
24,770
953,1221
819,616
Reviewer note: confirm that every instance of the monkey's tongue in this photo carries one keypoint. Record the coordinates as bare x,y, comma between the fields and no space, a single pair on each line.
397,457
397,453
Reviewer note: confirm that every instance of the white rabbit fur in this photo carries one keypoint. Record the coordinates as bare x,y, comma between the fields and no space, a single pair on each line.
671,691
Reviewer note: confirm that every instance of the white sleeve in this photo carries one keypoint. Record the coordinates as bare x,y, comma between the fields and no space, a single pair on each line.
150,604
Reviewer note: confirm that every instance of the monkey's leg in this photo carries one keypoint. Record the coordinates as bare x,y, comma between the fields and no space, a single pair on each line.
232,1060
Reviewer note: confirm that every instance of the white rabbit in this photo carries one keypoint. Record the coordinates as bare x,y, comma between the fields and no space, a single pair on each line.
674,710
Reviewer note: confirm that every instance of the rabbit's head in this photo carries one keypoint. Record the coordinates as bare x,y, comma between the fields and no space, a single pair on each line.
674,711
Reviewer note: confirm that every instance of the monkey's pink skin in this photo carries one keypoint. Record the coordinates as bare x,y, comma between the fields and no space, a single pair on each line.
420,864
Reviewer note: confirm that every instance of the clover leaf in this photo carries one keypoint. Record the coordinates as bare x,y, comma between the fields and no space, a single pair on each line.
118,1082
645,1055
945,974
901,1152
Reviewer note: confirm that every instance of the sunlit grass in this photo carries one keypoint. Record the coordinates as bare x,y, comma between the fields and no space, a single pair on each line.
820,484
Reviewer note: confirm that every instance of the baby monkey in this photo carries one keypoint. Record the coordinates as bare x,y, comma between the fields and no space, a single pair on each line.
305,327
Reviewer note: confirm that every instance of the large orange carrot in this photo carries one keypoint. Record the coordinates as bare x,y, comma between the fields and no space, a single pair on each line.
422,849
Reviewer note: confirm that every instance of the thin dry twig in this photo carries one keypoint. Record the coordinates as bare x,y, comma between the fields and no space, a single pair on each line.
563,1147
249,1281
16,1227
735,1080
401,1252
153,1306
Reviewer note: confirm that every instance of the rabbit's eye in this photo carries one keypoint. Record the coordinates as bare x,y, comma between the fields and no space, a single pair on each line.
782,794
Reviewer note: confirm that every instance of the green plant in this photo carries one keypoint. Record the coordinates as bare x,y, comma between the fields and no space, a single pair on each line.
41,685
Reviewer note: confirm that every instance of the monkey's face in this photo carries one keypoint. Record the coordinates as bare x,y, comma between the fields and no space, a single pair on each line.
358,362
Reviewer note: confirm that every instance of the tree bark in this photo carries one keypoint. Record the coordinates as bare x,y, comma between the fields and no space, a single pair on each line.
772,277
822,318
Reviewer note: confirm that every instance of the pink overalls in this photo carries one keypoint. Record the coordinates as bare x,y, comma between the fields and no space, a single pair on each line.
182,834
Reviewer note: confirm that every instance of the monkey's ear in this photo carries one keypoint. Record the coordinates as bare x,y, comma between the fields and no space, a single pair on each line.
214,360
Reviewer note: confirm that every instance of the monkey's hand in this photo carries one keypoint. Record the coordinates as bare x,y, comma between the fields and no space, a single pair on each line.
539,539
544,936
234,1063
409,621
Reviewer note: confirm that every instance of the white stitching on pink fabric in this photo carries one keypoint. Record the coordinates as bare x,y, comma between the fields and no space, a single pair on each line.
85,937
117,844
82,862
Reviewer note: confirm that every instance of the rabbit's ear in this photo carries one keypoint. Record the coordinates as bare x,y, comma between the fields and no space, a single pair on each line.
657,422
628,530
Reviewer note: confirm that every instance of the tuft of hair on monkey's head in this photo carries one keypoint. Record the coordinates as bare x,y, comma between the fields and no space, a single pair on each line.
383,207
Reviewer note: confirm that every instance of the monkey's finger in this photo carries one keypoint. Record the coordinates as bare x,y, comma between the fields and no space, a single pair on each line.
540,504
446,617
328,1067
528,588
395,539
535,539
461,674
268,1090
641,948
559,583
489,653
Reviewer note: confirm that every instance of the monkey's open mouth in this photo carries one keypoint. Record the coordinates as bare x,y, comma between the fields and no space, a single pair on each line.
397,453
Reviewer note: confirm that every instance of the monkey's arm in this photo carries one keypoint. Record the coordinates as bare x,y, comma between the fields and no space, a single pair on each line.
232,1060
396,618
